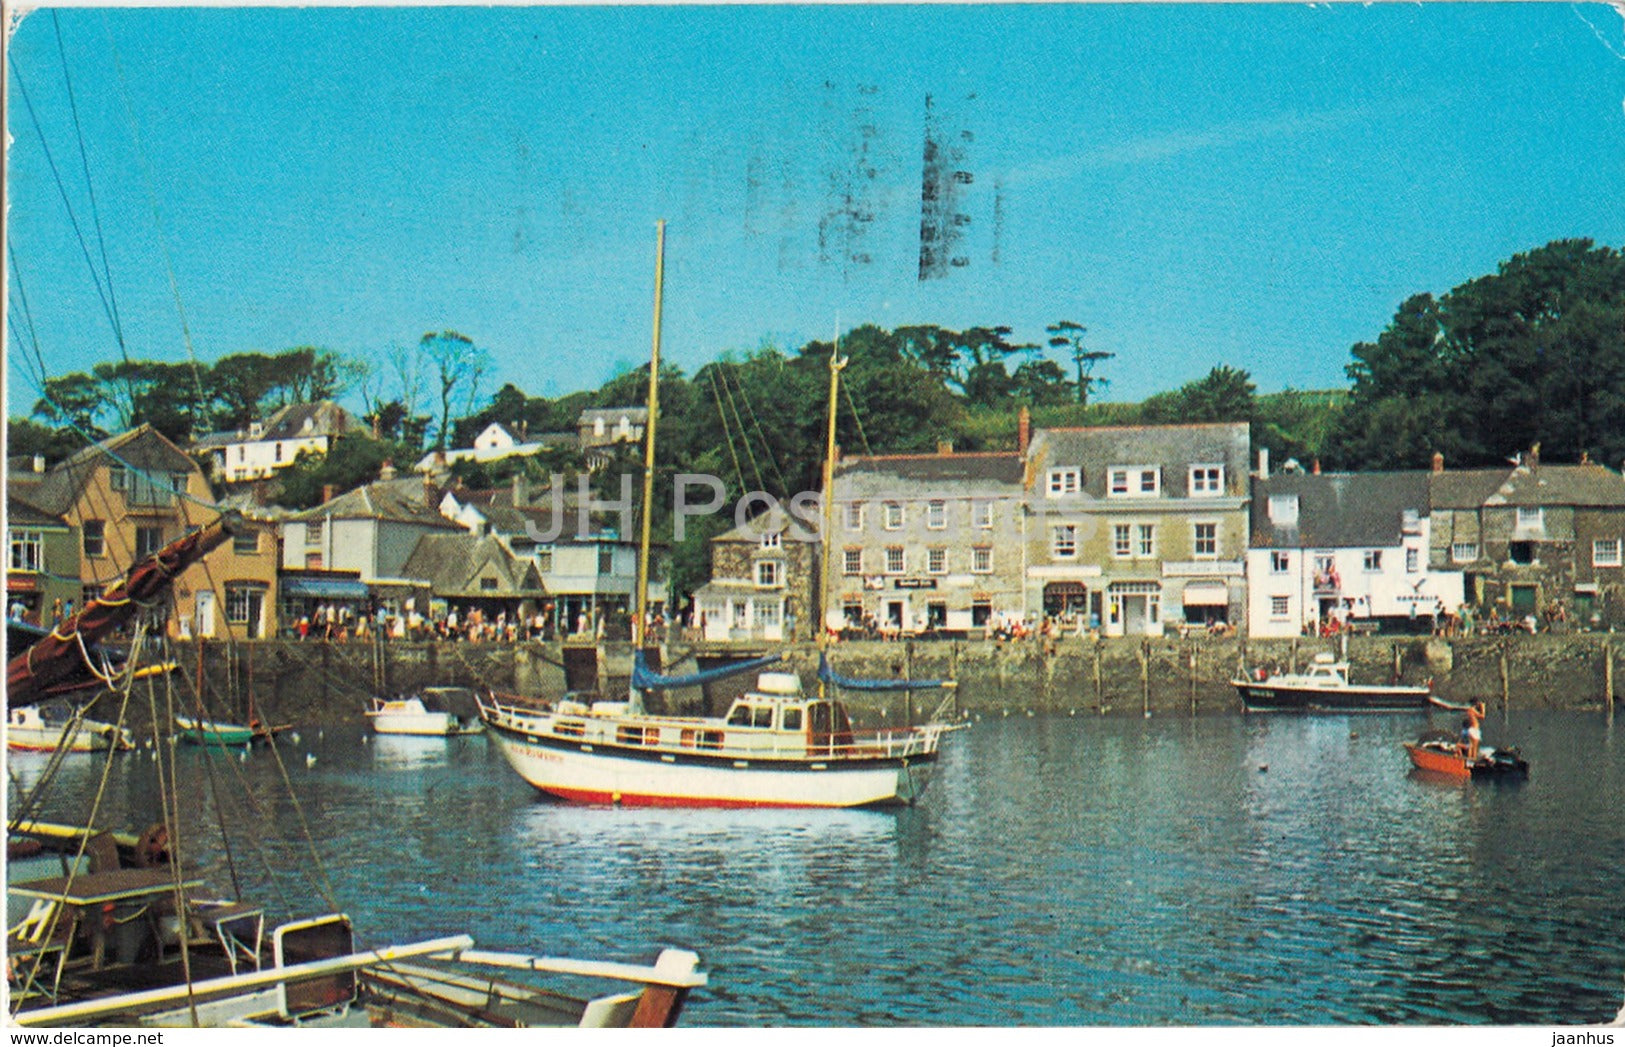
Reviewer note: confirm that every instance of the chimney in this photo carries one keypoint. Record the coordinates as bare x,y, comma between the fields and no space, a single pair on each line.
1585,457
439,458
1263,463
1024,431
1534,456
1314,466
1438,461
945,447
327,492
386,472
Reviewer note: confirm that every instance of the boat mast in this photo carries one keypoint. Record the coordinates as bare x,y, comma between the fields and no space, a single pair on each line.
835,365
640,621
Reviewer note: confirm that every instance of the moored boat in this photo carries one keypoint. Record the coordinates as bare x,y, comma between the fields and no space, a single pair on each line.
57,726
776,747
1440,755
434,711
1324,686
222,735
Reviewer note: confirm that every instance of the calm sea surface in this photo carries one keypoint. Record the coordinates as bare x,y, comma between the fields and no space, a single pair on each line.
1263,870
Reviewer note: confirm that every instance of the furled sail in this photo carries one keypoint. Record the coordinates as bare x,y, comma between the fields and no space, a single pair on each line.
852,683
646,679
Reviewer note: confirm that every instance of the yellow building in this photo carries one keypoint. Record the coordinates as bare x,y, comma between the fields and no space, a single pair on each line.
134,493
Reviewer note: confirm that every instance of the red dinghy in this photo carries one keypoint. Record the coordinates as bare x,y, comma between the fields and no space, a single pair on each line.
1440,756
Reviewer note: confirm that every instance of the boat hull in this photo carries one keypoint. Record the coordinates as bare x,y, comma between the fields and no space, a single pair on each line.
1260,697
216,735
603,774
1444,758
45,740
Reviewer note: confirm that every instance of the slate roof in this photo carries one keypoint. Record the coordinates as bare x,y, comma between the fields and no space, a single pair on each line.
454,564
1339,510
1587,485
398,501
288,423
904,475
1174,448
751,531
142,448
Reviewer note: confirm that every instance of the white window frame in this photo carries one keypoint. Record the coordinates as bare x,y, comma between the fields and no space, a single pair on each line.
854,516
1065,480
1283,510
769,574
772,539
981,515
1129,481
936,515
1531,518
1463,552
1413,560
896,560
981,559
1063,542
936,560
1602,557
1145,541
1280,607
1197,540
1280,561
1122,541
27,550
852,562
891,516
1207,480
1371,561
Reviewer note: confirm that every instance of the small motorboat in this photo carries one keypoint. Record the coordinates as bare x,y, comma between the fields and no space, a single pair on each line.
1324,687
433,711
221,735
48,727
1437,753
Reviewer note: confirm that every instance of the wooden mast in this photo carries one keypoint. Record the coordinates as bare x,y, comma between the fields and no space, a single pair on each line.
835,365
639,623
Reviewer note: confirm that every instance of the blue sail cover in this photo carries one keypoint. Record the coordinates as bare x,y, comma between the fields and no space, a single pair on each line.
852,683
646,679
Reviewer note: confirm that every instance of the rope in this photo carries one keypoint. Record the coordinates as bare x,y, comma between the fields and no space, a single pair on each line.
727,433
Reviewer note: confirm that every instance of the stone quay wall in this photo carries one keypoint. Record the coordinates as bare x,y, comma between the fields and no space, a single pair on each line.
321,683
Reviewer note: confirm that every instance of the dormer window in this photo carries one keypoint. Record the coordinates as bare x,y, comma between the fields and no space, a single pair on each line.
1284,510
772,539
1531,518
1207,481
598,427
1065,480
1133,481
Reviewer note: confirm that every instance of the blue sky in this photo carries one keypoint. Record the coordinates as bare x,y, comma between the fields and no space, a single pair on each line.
1251,185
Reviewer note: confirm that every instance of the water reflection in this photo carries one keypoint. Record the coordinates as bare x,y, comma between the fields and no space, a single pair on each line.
1060,871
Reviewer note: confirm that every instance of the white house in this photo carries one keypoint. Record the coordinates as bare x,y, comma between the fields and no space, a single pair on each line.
495,442
1343,548
260,450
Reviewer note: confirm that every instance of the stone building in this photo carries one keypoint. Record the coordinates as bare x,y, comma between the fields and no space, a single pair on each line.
1132,528
1534,539
1341,549
927,543
764,583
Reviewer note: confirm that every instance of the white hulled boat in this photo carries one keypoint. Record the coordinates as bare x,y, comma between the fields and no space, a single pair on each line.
50,727
776,747
433,711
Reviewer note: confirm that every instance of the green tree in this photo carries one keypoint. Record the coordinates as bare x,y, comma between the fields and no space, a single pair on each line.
458,365
1065,334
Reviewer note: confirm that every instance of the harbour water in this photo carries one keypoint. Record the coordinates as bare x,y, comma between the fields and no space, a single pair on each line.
1060,871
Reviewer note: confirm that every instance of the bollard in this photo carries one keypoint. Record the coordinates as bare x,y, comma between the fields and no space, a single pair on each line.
1145,676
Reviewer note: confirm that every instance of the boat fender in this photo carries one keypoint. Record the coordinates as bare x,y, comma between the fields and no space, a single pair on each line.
152,849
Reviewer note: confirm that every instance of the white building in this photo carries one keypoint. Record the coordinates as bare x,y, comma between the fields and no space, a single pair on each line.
494,443
1343,548
260,450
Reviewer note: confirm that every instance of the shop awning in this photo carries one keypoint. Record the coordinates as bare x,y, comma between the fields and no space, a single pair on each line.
1065,589
325,588
1207,594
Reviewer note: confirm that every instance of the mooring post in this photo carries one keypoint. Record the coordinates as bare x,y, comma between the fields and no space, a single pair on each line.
1608,673
1100,696
1193,679
1292,658
1506,681
1145,676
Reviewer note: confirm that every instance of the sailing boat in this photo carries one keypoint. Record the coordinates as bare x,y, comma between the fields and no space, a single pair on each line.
775,747
108,928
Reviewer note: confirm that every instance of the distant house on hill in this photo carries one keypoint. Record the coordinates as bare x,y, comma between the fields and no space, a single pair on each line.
495,442
260,450
129,496
602,427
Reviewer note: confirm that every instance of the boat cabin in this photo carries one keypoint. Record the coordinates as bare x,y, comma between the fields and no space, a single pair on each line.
1325,671
778,707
